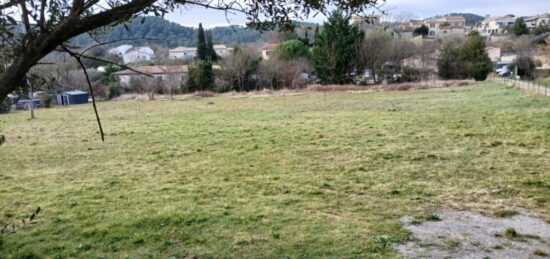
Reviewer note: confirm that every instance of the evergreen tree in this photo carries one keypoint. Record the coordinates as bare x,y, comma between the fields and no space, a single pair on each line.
469,60
335,49
422,30
292,50
210,51
519,27
201,43
316,34
477,62
306,38
200,77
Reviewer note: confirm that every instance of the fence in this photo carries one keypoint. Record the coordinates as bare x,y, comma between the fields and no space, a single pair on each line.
531,86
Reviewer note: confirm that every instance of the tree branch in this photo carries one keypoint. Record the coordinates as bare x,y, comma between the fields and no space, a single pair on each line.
78,59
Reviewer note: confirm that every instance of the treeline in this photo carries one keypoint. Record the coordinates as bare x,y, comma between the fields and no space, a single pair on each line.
155,30
471,19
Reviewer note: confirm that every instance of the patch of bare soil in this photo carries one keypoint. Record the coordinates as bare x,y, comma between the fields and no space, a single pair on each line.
460,234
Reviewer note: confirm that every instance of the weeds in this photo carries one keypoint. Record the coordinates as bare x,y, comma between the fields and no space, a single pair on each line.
504,213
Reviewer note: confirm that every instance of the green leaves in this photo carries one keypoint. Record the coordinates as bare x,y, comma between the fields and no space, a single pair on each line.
467,61
335,48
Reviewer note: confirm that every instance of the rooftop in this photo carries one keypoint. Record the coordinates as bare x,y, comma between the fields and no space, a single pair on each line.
152,70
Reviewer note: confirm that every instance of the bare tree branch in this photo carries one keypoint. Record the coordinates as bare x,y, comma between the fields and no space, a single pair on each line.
79,60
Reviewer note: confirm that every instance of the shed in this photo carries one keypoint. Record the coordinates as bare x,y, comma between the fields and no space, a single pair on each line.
71,97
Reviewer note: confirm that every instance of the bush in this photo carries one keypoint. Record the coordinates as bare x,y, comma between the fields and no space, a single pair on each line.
114,91
526,67
410,74
48,101
200,77
449,65
5,106
467,61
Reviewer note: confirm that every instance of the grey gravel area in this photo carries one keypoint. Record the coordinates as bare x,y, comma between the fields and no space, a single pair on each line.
461,234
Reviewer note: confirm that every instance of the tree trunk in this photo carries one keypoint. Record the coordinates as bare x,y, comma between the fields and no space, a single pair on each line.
45,42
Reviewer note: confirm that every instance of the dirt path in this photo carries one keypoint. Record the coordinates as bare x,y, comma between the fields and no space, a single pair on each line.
469,235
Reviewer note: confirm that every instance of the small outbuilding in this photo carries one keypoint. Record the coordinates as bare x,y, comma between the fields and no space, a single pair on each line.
71,97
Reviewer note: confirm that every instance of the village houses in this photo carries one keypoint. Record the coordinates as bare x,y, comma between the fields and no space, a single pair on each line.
191,52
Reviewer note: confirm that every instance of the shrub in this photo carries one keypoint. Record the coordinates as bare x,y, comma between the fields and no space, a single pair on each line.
467,61
48,102
114,91
200,78
526,67
410,74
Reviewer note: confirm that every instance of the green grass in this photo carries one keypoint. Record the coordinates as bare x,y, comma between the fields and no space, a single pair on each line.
275,176
544,81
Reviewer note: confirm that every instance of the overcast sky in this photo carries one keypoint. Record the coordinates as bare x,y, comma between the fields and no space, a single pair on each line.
421,8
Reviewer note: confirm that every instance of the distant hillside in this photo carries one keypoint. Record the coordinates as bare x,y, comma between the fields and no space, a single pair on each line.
471,19
155,30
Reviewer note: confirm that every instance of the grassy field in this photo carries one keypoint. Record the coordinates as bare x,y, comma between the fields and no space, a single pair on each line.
305,175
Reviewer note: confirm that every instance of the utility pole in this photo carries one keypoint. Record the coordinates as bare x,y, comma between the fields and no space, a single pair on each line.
31,99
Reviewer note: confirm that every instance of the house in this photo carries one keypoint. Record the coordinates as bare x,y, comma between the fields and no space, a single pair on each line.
446,27
222,50
120,50
182,53
372,20
136,54
494,53
71,97
406,30
191,52
267,50
495,25
162,72
539,20
372,24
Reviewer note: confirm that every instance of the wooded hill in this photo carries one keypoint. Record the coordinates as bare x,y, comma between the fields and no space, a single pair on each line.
155,30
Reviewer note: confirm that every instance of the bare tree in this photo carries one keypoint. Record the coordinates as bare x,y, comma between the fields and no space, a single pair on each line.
276,73
403,16
171,84
147,85
239,67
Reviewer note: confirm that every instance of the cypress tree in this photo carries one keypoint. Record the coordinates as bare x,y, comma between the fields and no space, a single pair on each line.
210,51
201,44
335,49
316,33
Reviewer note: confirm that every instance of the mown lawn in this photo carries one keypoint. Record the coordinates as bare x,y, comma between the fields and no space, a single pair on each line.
308,175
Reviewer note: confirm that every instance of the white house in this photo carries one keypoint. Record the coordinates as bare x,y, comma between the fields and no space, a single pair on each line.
120,50
182,53
161,72
191,52
222,50
495,25
539,20
136,54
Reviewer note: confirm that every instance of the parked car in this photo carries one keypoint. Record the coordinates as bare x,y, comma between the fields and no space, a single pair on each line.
24,103
502,68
